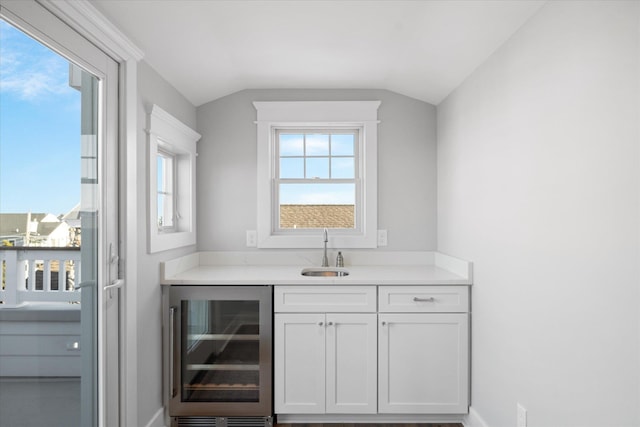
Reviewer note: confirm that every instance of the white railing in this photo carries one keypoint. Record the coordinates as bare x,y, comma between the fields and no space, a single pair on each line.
34,274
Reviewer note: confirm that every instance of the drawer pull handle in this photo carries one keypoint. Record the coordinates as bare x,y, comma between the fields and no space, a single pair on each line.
430,299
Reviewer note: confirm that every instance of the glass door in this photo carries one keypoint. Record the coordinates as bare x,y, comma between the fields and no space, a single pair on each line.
221,350
58,156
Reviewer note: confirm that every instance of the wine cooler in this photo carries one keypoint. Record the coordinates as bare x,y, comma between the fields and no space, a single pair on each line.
219,345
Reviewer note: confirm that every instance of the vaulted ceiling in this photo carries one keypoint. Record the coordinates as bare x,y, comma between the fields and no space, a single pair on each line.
423,49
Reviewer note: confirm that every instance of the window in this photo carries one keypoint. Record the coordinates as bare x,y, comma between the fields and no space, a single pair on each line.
166,191
317,169
172,176
315,184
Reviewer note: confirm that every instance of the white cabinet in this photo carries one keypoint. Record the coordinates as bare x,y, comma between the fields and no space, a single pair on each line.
423,299
325,363
299,363
351,363
404,350
423,338
324,299
423,363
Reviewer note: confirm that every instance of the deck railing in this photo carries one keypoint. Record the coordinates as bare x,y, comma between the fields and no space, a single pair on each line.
35,274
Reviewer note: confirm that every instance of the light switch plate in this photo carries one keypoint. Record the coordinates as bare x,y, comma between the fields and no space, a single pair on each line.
252,238
382,237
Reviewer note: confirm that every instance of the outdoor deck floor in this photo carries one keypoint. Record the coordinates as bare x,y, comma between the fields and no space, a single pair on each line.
39,402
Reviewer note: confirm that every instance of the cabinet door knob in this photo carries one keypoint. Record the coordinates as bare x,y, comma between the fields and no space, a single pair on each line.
330,323
384,323
320,323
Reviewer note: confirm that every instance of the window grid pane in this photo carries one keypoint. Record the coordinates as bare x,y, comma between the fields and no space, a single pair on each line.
166,183
342,144
291,145
317,168
342,167
316,144
292,167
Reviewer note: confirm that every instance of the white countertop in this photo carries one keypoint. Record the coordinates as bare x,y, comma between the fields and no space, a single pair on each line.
283,268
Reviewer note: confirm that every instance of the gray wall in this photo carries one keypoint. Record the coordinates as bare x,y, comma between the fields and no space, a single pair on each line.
226,182
152,89
538,184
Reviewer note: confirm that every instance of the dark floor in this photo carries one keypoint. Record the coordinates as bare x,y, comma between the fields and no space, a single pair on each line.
370,425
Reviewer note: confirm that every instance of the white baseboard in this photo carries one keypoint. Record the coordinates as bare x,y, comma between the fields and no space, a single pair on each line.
473,419
157,420
367,419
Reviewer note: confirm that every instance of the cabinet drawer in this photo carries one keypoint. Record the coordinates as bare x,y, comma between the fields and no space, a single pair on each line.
325,299
423,299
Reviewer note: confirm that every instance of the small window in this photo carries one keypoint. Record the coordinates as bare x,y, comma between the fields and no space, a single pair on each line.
172,177
317,169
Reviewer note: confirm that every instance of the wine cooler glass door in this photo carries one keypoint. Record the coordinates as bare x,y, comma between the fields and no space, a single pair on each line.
224,351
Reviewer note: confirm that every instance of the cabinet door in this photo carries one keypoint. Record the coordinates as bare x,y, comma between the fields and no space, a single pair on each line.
351,363
299,350
423,363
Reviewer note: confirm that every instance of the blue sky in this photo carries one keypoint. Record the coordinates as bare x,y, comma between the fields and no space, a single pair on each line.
329,157
39,128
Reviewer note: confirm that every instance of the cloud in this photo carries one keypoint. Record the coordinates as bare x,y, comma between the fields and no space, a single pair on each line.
317,144
28,69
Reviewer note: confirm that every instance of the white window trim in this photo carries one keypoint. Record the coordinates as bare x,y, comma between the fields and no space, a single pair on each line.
358,132
272,115
168,134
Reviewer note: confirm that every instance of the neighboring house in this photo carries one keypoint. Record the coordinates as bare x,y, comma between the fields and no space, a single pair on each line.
72,218
34,229
51,234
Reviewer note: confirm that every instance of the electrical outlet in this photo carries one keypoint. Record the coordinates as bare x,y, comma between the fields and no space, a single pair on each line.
382,237
522,416
252,238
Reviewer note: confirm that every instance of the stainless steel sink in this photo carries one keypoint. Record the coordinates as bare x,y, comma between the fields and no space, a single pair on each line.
324,272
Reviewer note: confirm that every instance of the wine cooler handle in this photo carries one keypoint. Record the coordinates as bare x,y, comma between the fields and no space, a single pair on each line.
172,324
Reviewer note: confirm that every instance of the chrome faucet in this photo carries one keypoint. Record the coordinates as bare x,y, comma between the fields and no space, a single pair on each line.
325,260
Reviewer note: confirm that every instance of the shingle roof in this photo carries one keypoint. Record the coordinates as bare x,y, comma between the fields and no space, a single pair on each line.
16,223
317,216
